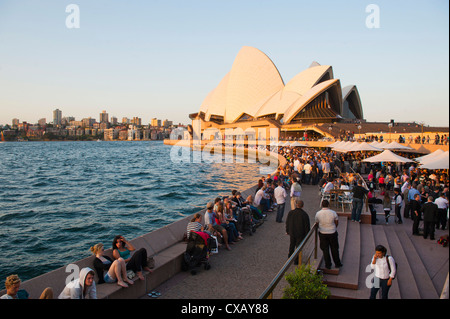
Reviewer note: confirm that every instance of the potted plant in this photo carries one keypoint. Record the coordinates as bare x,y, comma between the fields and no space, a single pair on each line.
305,283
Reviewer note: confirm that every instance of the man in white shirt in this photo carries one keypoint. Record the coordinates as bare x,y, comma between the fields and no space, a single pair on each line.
261,201
385,272
329,186
442,204
398,203
325,168
307,168
296,163
280,198
328,221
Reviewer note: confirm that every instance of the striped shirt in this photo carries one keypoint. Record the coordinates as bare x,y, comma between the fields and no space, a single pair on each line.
193,226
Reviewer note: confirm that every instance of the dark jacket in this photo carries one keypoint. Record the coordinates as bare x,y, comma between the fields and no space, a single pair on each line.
359,192
415,206
100,267
429,210
297,223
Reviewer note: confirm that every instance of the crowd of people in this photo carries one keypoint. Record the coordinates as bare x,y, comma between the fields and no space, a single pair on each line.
125,263
421,194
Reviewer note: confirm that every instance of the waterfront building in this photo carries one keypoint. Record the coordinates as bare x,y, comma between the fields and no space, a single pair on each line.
253,94
123,135
15,123
42,122
76,124
88,122
113,120
155,122
57,116
311,106
166,123
67,119
111,134
136,121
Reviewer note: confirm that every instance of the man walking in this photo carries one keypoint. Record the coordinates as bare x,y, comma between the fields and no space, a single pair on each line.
328,221
280,198
297,226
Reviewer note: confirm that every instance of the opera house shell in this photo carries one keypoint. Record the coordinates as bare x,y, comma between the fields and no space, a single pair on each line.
254,90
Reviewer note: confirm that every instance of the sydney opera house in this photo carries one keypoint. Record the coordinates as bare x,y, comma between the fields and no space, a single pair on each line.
253,94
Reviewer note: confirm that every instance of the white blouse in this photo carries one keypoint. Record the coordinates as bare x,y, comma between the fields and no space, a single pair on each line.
382,269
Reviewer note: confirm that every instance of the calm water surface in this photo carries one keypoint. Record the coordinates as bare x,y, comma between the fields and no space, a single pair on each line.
59,198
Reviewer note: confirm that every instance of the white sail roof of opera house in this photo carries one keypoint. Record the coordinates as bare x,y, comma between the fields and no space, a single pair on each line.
255,89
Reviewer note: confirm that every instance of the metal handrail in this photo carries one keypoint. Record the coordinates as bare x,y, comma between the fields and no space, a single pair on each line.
267,294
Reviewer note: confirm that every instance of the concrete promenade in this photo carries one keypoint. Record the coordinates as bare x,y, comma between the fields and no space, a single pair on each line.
246,270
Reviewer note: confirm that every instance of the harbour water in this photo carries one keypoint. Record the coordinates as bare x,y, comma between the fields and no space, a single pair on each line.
59,198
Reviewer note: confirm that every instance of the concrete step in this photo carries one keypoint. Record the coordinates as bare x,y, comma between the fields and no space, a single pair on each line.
420,273
348,275
367,246
405,277
381,239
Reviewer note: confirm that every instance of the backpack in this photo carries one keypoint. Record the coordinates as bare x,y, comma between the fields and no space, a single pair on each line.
389,265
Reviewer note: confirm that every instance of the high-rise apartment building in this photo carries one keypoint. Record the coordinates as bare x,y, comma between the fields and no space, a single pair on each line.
57,116
167,123
155,122
104,117
136,121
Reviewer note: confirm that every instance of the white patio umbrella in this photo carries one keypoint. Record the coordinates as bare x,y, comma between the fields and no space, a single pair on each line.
443,155
440,162
397,146
387,156
297,144
428,156
336,144
383,145
333,144
343,147
364,146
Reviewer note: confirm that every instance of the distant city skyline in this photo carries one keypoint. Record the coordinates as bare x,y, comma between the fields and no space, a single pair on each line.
153,59
104,116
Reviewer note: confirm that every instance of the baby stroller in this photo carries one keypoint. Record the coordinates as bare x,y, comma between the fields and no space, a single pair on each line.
245,221
197,252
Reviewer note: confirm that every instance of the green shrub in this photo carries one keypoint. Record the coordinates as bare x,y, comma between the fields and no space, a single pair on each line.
304,283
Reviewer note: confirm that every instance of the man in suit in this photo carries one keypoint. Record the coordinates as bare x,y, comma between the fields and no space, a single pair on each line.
297,226
430,211
416,213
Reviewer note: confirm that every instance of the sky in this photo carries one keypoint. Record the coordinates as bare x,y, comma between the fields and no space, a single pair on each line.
160,58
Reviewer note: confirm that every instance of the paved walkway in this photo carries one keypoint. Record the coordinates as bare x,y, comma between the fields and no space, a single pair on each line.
246,270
